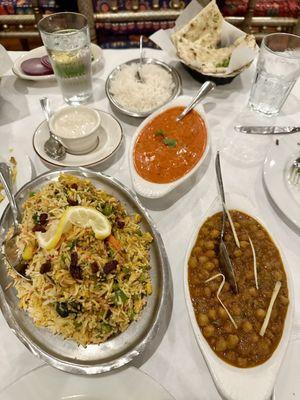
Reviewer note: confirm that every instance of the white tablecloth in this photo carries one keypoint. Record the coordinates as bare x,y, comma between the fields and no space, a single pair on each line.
177,363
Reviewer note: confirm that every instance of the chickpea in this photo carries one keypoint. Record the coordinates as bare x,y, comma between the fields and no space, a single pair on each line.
263,347
247,326
204,275
284,300
236,310
196,251
207,292
237,253
274,313
232,341
242,362
213,286
221,345
214,233
210,254
208,331
244,237
228,327
277,275
249,275
226,287
222,313
209,266
202,319
209,245
212,314
202,259
244,244
254,338
252,291
216,262
260,234
205,231
231,356
193,262
237,225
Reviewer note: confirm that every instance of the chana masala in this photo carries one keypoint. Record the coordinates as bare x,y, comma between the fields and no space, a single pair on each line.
167,149
237,326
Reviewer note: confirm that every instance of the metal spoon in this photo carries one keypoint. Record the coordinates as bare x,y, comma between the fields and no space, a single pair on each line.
225,262
52,146
206,88
139,70
11,251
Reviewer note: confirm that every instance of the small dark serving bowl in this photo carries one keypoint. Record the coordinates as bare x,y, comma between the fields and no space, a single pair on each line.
218,80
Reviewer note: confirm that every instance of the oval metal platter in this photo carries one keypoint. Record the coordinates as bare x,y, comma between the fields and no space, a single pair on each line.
67,355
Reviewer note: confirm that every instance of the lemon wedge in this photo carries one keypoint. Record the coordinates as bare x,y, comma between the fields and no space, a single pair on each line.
84,217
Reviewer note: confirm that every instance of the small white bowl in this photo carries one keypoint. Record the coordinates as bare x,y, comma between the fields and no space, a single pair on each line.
77,143
235,383
156,190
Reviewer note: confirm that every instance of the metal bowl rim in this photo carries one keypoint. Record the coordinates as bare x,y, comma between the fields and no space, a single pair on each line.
175,75
86,369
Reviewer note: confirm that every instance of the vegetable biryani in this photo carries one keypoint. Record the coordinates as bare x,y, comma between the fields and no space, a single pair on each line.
88,261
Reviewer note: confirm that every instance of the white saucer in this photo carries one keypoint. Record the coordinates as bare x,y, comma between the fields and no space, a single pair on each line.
110,139
275,173
46,383
40,52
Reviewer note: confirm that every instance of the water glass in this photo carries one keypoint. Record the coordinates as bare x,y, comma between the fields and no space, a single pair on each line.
277,70
67,41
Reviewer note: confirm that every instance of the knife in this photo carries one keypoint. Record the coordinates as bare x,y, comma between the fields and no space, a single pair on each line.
267,130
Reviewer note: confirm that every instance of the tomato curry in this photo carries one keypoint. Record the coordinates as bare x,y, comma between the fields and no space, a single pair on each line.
166,150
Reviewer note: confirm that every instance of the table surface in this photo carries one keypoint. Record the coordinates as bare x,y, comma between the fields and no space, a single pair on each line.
177,362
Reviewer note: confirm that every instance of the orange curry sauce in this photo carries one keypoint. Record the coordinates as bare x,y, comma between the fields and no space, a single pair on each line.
166,150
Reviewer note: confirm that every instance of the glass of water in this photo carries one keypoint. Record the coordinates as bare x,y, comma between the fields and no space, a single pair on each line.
277,70
67,41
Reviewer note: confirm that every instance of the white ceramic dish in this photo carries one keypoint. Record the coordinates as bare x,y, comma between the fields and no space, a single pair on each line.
40,52
64,120
238,383
110,139
275,174
156,190
24,171
45,383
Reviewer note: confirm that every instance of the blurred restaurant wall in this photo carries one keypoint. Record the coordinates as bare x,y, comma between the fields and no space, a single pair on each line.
119,23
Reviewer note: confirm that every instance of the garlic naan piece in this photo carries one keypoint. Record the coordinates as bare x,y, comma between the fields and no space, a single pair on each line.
204,28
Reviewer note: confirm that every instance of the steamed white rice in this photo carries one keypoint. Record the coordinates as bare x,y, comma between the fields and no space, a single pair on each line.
145,96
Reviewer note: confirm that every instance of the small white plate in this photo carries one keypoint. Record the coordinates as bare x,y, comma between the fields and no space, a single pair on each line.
46,383
275,173
110,138
234,383
40,52
24,171
156,190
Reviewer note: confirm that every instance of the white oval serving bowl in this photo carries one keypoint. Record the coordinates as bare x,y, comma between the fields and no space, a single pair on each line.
156,190
233,383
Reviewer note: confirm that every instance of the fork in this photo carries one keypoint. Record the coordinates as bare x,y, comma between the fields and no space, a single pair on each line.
294,176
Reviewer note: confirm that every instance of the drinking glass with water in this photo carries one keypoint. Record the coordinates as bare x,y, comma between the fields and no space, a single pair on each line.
67,41
277,70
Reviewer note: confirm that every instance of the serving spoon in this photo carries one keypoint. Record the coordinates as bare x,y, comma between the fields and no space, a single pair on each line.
12,253
138,72
225,261
52,146
206,88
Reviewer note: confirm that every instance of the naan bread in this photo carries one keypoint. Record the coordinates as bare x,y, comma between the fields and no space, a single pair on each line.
197,43
208,60
204,29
